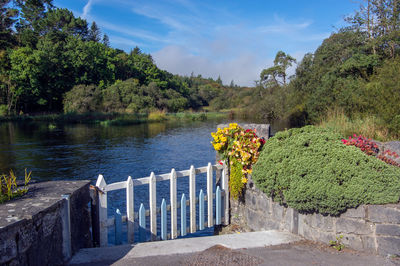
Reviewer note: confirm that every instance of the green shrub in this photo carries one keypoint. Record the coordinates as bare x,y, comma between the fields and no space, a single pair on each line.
310,170
3,110
82,99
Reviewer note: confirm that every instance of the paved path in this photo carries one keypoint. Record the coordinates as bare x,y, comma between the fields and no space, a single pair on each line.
255,248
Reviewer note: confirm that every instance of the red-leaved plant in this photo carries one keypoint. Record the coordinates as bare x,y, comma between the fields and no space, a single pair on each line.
371,148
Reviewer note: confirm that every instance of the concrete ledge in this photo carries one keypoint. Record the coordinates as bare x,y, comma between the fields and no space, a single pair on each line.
31,227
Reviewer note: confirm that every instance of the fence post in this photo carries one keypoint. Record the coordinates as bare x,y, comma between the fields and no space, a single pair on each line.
142,223
183,215
210,195
174,216
118,227
218,206
163,220
101,184
201,210
192,195
130,209
153,206
225,188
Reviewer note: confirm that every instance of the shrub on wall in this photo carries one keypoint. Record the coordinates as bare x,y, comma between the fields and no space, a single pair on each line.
310,170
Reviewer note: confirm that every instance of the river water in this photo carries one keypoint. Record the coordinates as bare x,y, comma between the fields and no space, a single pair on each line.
77,151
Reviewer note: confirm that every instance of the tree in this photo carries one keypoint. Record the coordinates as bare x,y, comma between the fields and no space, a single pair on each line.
82,99
380,20
7,20
106,40
59,24
219,80
94,33
31,15
271,76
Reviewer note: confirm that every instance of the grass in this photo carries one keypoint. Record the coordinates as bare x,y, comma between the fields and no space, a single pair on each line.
368,126
9,188
120,119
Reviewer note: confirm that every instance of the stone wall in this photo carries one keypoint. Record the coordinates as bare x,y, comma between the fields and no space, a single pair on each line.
371,228
34,228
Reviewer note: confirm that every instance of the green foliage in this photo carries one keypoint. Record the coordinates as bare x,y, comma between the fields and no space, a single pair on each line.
383,94
48,56
3,110
337,244
310,170
82,99
9,188
235,179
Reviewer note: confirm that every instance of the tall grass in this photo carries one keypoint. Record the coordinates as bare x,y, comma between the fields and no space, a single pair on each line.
157,116
9,188
367,125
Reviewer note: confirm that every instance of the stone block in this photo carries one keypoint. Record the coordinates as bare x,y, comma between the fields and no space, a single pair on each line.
352,241
324,223
369,244
277,211
349,226
290,221
26,236
383,214
388,229
309,233
300,229
388,245
271,224
263,203
325,237
359,212
8,248
255,220
250,199
307,218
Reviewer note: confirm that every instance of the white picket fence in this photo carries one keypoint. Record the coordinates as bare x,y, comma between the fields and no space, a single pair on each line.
136,220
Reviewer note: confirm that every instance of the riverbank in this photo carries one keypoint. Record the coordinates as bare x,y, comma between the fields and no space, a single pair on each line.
108,119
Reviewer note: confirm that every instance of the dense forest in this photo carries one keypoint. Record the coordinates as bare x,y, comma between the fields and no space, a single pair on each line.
52,61
354,72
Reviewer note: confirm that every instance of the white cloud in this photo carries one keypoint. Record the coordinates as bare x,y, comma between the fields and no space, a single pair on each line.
154,13
124,42
281,26
244,68
87,8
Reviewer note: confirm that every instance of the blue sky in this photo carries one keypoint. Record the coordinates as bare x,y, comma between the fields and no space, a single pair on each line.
234,39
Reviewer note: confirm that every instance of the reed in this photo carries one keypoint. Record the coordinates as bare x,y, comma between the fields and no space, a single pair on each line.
366,125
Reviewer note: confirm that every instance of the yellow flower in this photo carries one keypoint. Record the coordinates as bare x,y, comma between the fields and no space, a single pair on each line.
233,125
244,180
217,146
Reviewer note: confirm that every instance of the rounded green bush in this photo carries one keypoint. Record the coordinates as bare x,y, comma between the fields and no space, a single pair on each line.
310,170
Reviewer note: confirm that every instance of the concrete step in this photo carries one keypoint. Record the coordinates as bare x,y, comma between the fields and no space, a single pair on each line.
181,246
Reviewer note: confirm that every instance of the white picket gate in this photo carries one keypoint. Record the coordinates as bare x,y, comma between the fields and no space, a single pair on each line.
137,220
